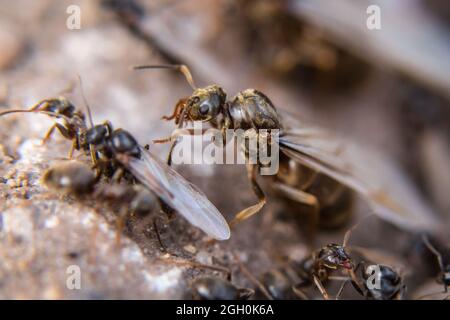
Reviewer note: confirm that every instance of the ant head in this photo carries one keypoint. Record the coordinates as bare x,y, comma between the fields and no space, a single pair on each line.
206,103
57,106
203,105
334,256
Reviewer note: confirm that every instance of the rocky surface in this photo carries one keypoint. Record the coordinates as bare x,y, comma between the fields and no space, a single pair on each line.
44,234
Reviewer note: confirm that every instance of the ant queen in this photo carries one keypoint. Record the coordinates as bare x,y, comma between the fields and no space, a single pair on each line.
316,168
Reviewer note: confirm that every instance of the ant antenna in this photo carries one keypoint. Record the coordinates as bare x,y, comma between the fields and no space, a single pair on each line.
178,67
48,113
91,122
88,109
349,231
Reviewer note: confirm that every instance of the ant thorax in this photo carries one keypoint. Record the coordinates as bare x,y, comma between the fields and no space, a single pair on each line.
251,109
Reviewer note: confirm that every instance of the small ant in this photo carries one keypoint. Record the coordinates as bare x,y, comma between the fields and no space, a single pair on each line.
318,266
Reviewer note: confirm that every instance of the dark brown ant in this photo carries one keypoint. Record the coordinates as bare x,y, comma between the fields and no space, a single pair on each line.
307,155
215,288
317,268
289,281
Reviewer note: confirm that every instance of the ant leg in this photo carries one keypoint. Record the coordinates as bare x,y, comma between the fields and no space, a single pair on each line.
245,293
162,247
120,225
248,212
94,159
252,278
163,140
303,198
338,278
63,130
341,289
117,176
354,280
48,134
169,212
438,255
321,288
174,138
299,292
177,111
193,264
356,284
169,156
73,147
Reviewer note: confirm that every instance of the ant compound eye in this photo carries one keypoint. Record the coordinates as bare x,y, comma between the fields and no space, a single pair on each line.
194,100
204,109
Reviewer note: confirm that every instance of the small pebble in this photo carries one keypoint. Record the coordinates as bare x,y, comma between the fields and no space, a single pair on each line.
190,248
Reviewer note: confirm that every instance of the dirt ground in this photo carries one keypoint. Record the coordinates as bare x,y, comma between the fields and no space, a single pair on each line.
43,232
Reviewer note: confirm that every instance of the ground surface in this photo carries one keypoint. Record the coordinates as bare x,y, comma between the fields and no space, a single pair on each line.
42,232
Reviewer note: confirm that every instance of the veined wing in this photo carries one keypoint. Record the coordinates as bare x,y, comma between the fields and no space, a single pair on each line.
178,193
388,190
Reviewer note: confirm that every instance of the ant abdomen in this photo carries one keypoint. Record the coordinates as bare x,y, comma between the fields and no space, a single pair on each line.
123,142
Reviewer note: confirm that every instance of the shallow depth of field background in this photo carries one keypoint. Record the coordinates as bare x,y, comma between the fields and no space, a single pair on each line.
388,89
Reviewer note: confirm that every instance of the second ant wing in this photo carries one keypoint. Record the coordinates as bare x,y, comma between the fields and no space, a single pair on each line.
186,198
388,191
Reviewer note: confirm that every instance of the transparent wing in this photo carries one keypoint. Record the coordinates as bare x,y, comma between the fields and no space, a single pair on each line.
178,193
388,190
